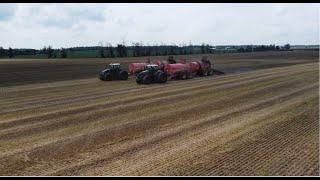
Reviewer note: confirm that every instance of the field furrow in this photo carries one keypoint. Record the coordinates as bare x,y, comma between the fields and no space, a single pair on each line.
262,122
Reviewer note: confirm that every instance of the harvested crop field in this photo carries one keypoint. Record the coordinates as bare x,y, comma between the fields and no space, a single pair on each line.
25,71
264,121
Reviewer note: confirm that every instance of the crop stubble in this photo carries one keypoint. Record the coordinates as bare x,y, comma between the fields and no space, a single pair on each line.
262,122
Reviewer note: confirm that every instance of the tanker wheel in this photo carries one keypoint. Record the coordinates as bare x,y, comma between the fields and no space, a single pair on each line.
146,79
201,73
189,75
184,75
205,73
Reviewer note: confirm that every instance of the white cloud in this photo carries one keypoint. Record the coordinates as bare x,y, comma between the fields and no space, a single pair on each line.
66,25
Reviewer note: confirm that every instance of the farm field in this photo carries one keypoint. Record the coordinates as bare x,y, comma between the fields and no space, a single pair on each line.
26,71
261,118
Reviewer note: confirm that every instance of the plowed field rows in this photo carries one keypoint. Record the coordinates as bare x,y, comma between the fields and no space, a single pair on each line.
25,71
261,122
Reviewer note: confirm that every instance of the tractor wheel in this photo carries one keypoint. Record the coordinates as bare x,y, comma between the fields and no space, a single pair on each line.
123,75
107,77
147,79
156,75
139,81
161,77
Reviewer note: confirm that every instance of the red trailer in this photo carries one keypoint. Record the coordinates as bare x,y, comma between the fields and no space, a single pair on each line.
201,68
135,68
178,71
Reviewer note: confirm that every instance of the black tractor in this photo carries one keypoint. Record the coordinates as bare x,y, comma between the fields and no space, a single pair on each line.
113,71
151,74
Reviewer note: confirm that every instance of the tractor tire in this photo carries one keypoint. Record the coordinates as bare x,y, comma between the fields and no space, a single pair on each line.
147,79
161,77
156,75
139,79
107,77
123,75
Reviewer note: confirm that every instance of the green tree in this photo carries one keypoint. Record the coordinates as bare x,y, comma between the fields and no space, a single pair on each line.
11,52
2,52
101,52
122,50
63,53
203,49
50,52
110,53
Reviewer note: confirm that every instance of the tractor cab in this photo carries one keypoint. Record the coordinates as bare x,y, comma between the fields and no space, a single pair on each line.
114,66
152,68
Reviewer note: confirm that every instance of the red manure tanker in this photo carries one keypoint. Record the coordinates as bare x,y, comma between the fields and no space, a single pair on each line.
178,71
201,68
135,68
185,70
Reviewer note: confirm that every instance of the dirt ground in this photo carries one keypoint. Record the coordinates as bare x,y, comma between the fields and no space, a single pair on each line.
262,121
26,71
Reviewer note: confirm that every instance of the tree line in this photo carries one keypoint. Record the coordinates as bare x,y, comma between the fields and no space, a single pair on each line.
271,47
135,50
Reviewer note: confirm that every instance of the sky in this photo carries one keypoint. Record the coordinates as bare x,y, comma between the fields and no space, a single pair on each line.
70,25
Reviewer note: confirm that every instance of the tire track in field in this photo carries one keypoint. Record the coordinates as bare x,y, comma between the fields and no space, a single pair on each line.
259,152
80,97
146,142
115,110
158,138
58,156
46,129
95,106
176,158
32,101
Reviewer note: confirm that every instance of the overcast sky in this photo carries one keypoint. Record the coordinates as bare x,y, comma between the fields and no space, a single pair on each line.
68,25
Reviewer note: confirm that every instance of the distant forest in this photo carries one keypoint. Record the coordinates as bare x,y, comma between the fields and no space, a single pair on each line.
135,50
